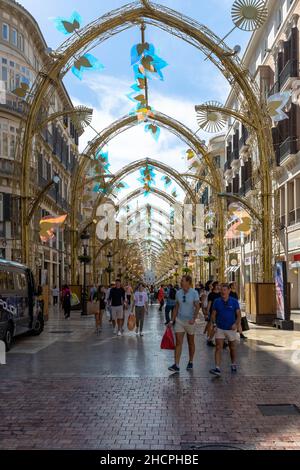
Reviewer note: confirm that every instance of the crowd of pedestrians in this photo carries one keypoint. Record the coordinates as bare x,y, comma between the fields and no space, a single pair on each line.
182,306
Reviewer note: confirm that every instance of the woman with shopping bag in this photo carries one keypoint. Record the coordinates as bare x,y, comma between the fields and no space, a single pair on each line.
140,304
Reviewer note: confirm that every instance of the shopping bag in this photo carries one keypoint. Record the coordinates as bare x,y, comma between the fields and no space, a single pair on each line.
245,324
131,322
92,308
74,300
167,341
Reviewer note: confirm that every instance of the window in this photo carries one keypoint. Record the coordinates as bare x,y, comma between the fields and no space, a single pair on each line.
6,281
14,37
5,32
21,281
21,42
279,18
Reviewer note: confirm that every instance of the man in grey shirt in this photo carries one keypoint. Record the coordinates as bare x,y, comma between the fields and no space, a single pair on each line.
184,320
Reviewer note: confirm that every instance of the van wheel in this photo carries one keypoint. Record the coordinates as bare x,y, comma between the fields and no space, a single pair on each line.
38,326
8,337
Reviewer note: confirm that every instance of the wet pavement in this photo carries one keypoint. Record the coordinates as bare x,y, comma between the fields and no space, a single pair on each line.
71,389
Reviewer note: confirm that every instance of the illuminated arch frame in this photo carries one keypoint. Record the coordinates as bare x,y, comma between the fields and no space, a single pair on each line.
191,32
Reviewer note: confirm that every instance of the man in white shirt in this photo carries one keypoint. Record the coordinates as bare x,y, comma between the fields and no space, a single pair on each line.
140,303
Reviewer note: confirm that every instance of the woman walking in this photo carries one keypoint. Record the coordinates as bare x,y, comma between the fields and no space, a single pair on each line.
140,303
66,301
101,310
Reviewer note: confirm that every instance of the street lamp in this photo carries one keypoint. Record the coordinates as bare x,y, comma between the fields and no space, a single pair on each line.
176,271
109,269
210,241
85,259
186,257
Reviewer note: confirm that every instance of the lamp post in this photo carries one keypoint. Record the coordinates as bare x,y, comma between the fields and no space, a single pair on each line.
176,272
85,259
210,241
109,267
186,257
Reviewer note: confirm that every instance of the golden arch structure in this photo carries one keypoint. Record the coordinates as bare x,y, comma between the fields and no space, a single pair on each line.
193,33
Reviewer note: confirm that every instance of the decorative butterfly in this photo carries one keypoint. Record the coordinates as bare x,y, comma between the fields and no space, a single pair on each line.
21,91
154,130
68,26
276,104
48,225
86,62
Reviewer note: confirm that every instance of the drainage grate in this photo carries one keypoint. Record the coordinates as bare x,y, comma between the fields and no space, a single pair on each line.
279,410
202,446
61,332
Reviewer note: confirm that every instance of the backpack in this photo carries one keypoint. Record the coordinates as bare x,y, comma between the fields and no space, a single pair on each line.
172,293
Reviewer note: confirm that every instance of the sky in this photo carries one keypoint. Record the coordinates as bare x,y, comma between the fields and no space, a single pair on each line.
189,79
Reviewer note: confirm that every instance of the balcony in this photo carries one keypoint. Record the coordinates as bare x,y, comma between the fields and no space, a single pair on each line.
291,70
274,90
288,147
248,185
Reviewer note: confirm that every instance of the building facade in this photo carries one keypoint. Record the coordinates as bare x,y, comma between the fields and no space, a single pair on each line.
23,53
272,57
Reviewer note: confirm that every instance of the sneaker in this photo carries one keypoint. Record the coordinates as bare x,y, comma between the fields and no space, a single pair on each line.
136,331
115,331
210,343
215,372
174,368
234,369
119,333
141,334
190,366
242,336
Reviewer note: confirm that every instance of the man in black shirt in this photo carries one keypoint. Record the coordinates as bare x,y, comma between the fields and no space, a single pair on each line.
116,300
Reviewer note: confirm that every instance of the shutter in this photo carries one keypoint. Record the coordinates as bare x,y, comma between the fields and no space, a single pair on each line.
7,207
280,64
295,51
276,143
293,127
40,164
287,52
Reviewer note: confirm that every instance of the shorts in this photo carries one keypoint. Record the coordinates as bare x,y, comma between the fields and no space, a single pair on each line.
117,313
184,327
230,335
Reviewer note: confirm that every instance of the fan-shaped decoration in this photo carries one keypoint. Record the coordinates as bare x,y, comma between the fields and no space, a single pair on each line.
249,15
209,119
22,90
86,62
82,118
276,104
70,25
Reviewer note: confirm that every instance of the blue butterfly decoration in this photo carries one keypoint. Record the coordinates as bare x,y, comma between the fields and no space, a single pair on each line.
70,25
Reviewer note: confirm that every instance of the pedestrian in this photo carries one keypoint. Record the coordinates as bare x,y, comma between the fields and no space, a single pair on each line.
93,293
204,299
212,296
152,294
140,304
129,292
108,306
101,297
184,320
161,298
226,322
170,303
234,294
117,300
66,301
55,295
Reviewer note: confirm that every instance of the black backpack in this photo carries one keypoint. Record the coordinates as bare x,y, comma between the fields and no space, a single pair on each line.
172,293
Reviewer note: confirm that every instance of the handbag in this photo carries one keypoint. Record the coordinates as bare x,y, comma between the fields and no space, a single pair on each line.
167,341
244,324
